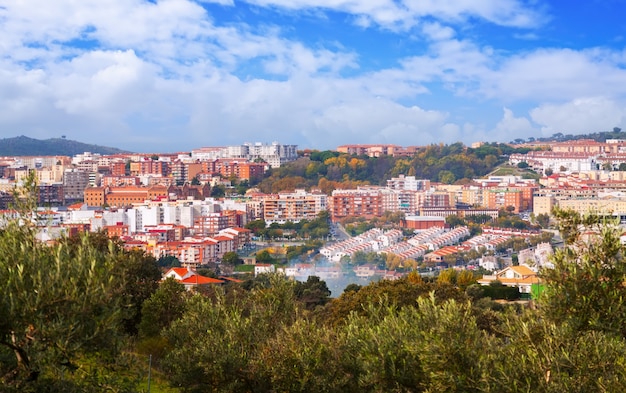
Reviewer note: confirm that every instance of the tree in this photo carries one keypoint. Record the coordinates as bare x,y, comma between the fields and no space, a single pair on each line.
447,276
264,256
218,191
59,302
140,276
352,287
543,220
168,261
256,225
522,165
307,357
454,221
313,292
166,305
63,305
556,358
465,278
138,273
585,290
218,343
447,177
231,258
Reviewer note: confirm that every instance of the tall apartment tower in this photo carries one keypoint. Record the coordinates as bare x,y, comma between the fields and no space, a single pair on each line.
74,184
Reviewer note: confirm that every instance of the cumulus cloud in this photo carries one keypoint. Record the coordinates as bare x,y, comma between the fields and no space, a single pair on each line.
557,74
170,74
582,115
511,127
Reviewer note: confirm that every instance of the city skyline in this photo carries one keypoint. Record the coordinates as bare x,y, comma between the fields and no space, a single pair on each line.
179,74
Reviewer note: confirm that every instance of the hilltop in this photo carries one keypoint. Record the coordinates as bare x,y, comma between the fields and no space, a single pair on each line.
25,146
600,136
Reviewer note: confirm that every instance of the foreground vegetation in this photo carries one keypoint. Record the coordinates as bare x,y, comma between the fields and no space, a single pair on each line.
83,315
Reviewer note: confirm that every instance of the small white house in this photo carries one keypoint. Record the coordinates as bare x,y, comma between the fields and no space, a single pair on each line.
263,268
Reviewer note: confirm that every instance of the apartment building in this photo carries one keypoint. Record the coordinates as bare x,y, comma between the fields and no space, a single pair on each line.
503,198
368,150
238,168
50,194
38,162
119,181
210,224
74,184
362,202
149,167
123,196
540,161
294,206
275,154
118,168
408,183
590,146
51,174
544,204
609,206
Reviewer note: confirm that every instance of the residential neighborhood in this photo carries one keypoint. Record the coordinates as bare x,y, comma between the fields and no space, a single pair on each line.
174,205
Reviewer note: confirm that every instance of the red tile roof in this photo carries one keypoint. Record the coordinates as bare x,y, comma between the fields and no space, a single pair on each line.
201,280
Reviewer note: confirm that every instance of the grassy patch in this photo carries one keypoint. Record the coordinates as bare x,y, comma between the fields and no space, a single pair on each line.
510,170
244,268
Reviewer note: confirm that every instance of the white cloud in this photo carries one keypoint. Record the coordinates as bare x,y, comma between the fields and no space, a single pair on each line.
143,72
511,127
221,2
381,121
581,115
557,74
437,32
405,14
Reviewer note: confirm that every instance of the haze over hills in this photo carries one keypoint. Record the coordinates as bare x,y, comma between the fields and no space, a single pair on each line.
25,146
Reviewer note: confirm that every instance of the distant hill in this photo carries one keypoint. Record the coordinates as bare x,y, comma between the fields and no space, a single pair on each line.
25,146
601,136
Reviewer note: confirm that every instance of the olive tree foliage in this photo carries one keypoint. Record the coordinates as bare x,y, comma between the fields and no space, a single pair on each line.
216,341
162,308
414,336
307,357
586,287
537,355
59,302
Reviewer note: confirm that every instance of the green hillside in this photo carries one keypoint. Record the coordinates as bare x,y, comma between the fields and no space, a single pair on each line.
25,146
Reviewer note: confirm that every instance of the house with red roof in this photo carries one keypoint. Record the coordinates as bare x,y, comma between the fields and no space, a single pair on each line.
190,278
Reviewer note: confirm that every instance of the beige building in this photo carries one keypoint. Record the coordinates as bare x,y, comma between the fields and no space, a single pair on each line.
296,206
46,175
543,204
612,206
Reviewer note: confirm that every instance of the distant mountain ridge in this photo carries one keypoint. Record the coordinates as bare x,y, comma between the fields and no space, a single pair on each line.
25,146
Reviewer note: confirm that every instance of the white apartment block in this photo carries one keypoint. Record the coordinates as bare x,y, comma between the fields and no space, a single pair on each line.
86,156
540,161
275,154
408,183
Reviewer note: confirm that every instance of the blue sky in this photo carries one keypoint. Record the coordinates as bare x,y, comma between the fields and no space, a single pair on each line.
173,75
